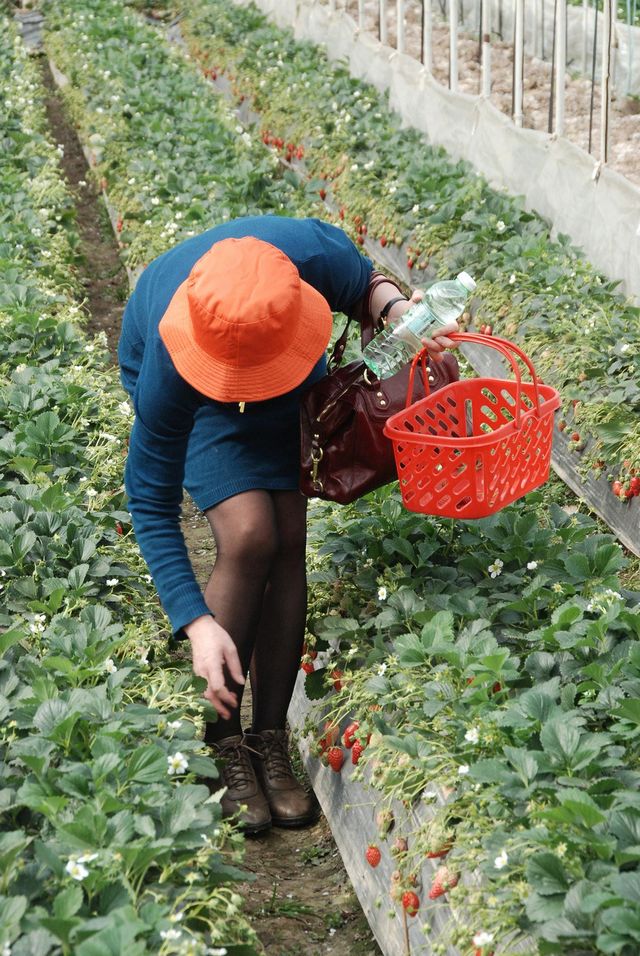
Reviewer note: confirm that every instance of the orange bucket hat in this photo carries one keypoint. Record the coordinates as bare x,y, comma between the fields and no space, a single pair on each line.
244,327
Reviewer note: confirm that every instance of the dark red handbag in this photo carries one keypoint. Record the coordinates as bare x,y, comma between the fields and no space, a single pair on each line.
344,453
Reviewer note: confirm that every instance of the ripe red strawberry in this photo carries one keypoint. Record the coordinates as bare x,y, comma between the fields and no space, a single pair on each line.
383,241
322,193
372,855
341,213
562,425
360,240
300,152
119,528
575,436
335,758
331,734
356,751
497,687
443,880
410,902
616,488
336,675
410,263
307,667
634,485
348,737
119,225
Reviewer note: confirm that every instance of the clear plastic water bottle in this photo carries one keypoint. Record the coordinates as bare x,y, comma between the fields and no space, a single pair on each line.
396,345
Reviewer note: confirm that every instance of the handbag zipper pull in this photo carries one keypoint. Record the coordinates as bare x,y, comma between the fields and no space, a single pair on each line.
241,406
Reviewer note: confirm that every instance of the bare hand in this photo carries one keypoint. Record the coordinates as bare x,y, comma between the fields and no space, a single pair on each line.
213,649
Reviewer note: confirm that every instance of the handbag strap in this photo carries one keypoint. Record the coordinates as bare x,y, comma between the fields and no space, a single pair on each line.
361,311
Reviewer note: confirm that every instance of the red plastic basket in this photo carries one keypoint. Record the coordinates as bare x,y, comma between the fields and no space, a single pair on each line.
477,444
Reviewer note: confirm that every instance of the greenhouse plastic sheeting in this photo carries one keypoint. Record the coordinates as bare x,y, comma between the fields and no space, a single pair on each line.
597,207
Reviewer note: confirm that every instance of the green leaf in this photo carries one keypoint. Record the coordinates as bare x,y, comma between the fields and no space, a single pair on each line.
542,908
12,909
68,902
546,874
559,739
629,710
147,764
522,762
314,686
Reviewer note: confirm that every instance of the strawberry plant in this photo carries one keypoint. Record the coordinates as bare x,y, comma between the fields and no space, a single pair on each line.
109,840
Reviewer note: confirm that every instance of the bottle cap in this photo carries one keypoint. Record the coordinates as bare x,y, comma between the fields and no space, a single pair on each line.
466,281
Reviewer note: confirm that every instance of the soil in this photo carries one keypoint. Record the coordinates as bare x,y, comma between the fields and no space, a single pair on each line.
624,119
101,270
301,899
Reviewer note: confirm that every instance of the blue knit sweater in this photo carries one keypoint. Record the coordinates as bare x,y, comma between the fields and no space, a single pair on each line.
166,406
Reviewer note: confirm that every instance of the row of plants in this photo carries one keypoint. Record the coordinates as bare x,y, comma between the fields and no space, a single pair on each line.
386,183
111,838
484,677
173,160
466,651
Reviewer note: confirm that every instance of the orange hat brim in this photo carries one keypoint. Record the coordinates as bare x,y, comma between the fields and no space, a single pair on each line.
227,383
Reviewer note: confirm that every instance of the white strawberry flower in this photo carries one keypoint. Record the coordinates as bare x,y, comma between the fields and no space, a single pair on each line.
463,769
495,569
76,870
177,763
174,724
216,951
109,666
512,278
482,939
112,582
501,860
532,565
382,593
472,736
500,226
170,934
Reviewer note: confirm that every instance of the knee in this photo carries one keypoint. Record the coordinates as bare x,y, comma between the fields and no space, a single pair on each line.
252,546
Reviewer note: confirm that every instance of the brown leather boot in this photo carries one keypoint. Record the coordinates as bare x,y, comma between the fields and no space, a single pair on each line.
289,802
238,776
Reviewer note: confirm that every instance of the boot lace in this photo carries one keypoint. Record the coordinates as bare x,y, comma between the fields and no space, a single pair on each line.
237,769
276,756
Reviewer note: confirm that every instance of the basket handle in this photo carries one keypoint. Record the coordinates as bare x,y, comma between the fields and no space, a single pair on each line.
505,347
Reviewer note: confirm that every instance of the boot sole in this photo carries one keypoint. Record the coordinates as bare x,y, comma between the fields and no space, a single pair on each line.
294,823
255,829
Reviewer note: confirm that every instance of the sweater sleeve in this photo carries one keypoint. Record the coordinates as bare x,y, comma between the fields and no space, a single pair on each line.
165,408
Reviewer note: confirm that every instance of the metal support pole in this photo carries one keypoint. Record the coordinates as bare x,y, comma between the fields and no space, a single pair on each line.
585,37
361,15
486,50
453,45
605,90
384,36
518,60
561,63
400,31
427,34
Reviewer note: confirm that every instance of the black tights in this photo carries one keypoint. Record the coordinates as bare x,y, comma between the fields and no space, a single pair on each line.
258,592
